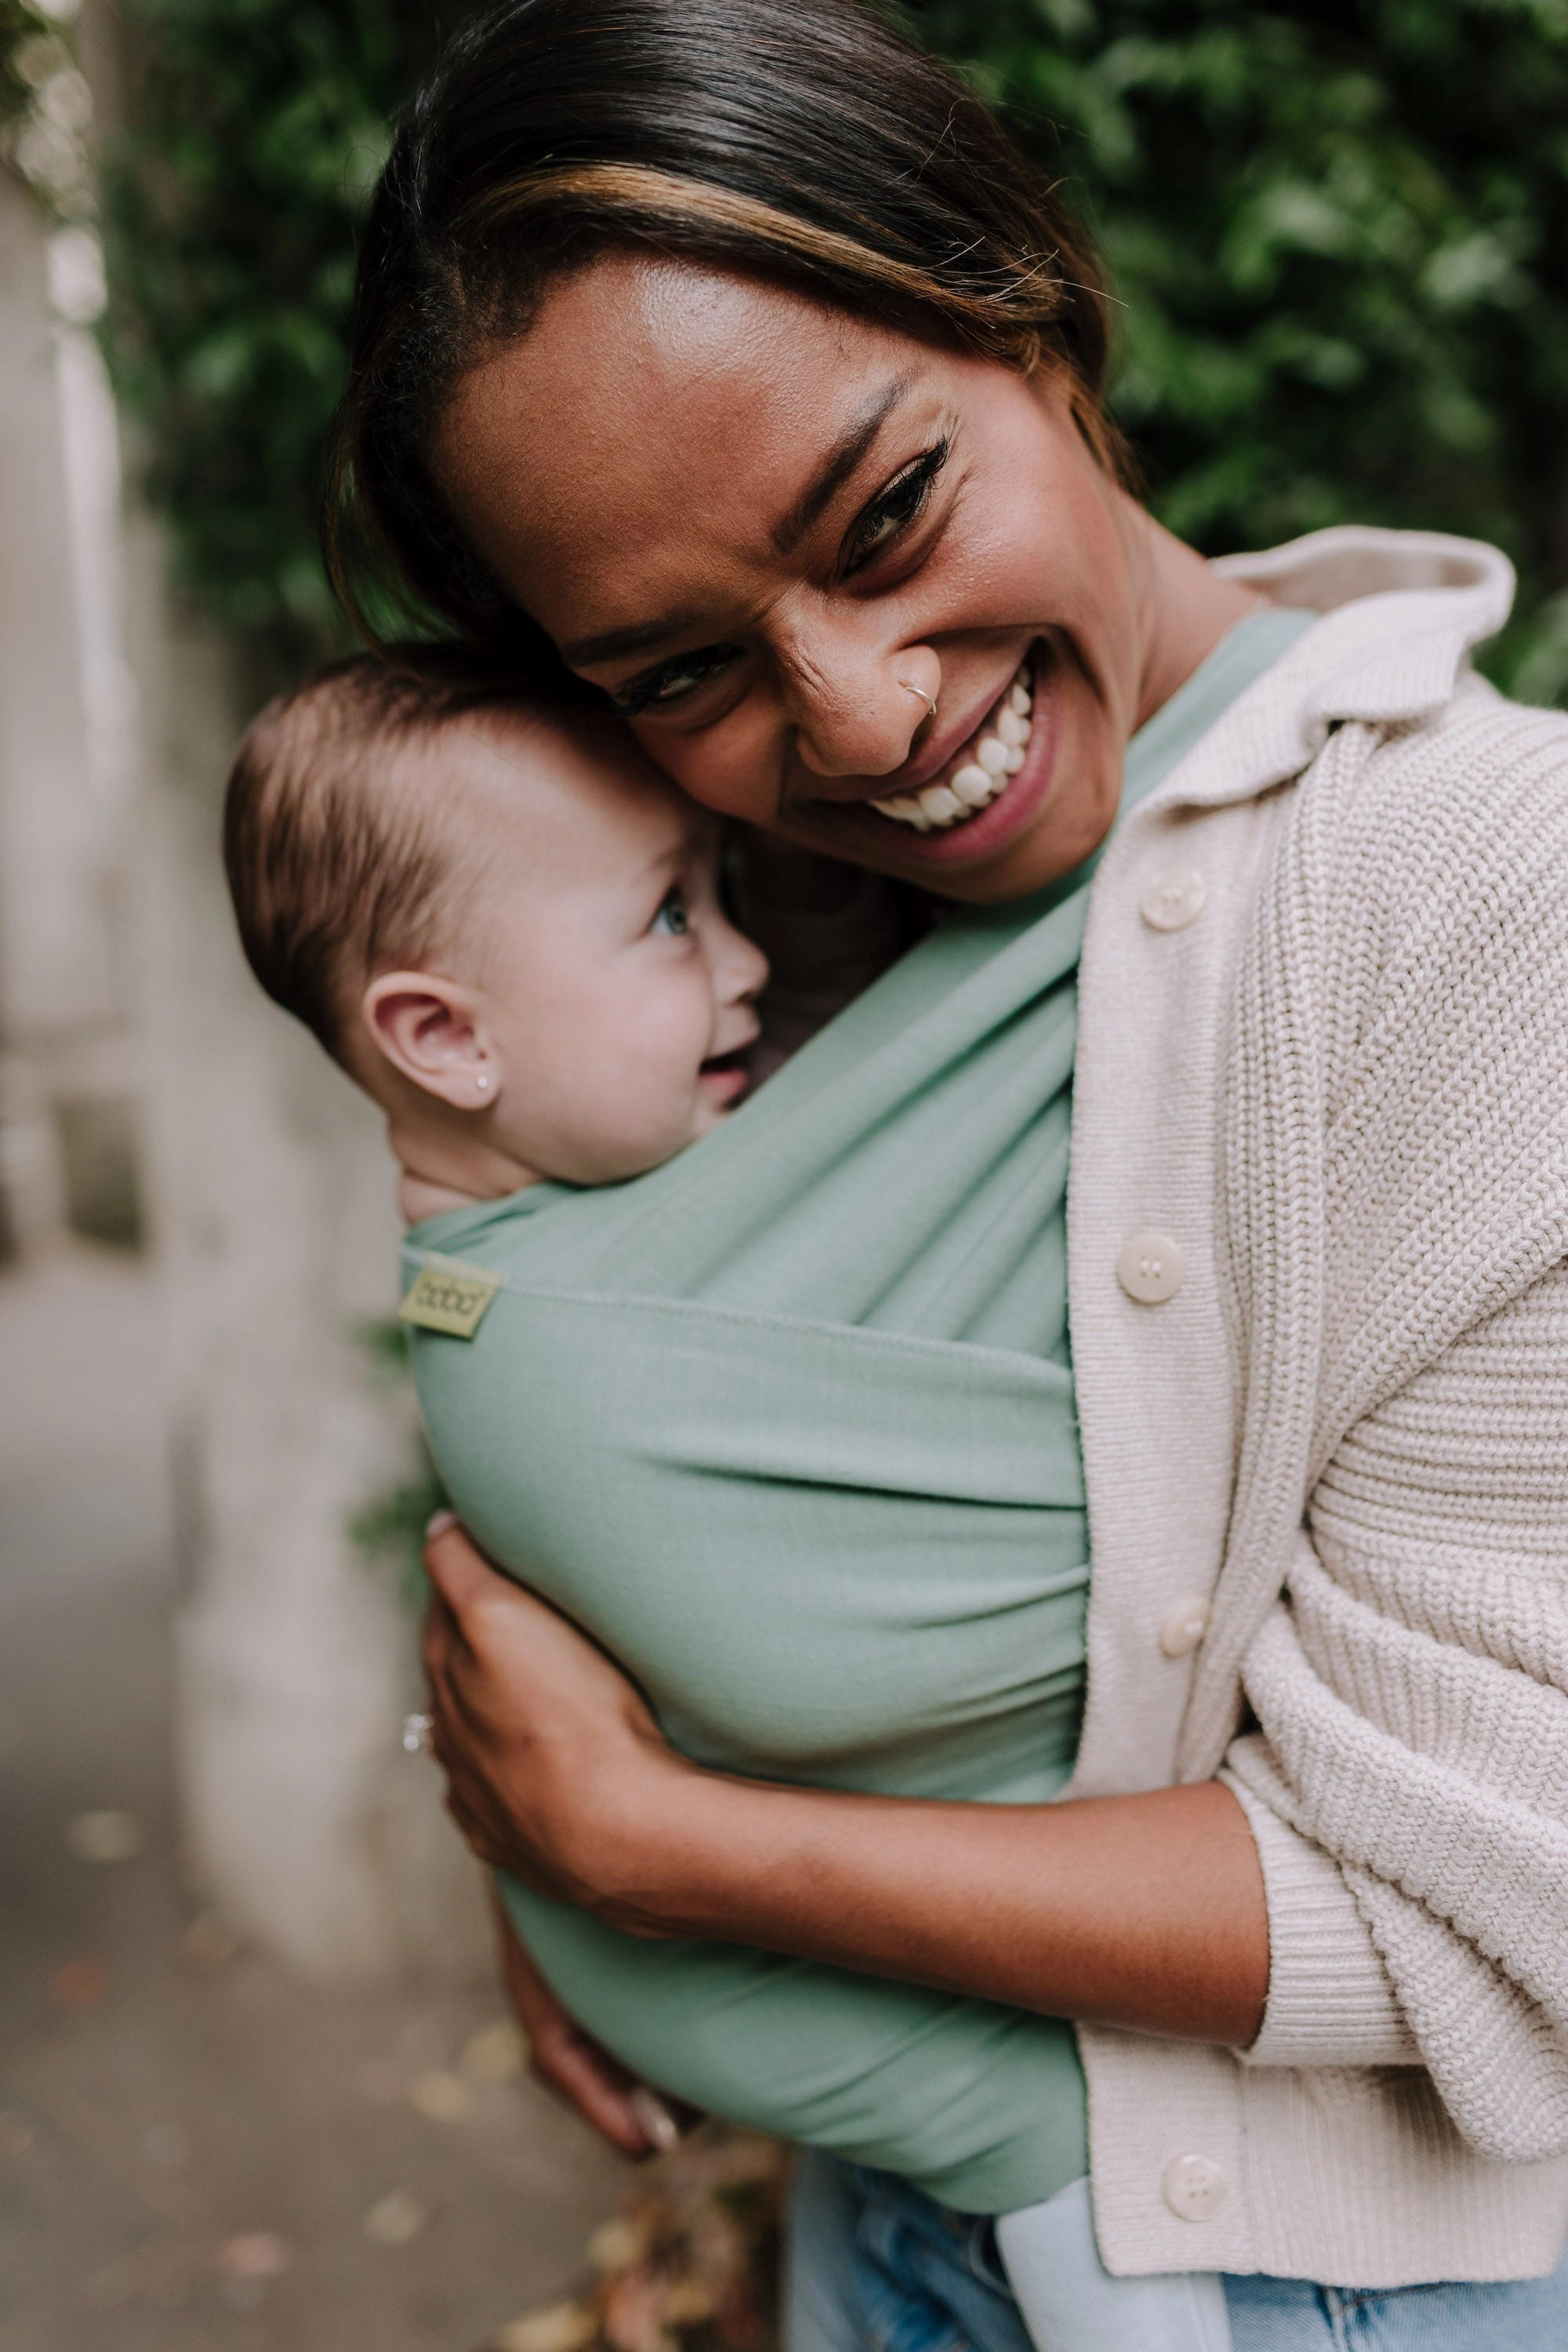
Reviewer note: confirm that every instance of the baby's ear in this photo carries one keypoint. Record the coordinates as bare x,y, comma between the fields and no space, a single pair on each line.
431,1030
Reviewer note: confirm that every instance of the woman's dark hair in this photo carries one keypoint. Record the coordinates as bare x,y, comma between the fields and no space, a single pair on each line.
806,139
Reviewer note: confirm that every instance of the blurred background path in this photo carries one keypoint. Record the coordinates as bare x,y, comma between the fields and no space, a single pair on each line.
197,2152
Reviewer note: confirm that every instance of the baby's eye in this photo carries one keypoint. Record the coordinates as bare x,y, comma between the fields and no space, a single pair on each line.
672,921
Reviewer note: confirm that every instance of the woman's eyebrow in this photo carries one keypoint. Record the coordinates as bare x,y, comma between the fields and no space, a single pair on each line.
837,465
613,644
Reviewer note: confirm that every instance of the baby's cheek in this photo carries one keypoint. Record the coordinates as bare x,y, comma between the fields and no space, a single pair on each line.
646,1109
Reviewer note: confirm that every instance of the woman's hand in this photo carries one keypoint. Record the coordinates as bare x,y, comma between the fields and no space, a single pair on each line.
639,2121
554,1762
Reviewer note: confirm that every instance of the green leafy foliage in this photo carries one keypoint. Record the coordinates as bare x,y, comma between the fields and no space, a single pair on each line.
1339,232
1338,229
260,127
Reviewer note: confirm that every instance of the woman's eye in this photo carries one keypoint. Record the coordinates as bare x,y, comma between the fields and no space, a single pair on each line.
892,510
672,921
672,679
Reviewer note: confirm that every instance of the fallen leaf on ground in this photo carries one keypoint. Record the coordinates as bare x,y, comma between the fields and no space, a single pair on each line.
557,2327
617,2245
107,1836
254,2254
209,1941
495,2054
443,2096
397,2219
78,1984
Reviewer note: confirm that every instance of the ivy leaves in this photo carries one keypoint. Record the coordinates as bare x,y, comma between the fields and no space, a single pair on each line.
1339,231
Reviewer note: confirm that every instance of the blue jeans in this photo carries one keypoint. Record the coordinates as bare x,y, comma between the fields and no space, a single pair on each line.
876,2266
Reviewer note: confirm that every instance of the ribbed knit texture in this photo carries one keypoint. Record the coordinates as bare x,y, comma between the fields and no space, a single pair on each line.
1345,1094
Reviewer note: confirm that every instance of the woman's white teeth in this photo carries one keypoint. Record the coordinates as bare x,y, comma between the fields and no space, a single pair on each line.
987,765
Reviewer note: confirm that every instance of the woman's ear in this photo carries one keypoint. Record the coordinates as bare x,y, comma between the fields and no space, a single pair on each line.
434,1033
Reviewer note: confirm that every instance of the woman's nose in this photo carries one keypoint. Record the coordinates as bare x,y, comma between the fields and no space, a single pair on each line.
862,719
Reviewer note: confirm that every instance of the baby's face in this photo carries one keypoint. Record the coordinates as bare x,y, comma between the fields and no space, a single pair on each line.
615,1001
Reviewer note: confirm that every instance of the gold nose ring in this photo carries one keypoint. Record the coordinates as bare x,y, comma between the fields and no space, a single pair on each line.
929,699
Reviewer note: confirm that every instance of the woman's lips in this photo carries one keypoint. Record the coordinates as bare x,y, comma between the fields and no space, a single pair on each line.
984,820
979,771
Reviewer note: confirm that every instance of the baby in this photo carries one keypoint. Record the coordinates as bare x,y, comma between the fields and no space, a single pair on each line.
508,928
504,924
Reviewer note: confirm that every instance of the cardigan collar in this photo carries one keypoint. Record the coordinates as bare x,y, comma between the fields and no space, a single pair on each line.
1402,611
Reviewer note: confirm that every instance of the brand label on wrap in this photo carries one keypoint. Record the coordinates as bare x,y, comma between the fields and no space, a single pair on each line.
449,1297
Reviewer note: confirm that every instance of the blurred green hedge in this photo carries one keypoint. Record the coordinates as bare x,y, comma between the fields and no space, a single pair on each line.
1340,233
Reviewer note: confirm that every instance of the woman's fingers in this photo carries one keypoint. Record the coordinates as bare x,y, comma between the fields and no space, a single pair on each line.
569,2062
551,1753
572,2064
455,1567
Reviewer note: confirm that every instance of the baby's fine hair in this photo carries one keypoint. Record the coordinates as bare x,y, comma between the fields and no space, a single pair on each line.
339,863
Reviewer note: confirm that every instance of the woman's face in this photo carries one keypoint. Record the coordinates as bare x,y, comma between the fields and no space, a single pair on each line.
774,533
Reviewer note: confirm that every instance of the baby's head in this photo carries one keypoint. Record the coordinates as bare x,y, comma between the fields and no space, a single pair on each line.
501,920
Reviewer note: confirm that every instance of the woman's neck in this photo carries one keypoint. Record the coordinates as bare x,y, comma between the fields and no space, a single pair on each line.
1184,608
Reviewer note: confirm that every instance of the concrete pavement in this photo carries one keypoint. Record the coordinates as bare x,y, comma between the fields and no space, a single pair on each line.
196,2154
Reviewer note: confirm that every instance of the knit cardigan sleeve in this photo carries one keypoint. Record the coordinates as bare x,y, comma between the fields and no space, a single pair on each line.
1410,1687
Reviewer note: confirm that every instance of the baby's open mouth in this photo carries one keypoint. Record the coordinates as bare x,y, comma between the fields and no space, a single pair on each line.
984,767
734,1067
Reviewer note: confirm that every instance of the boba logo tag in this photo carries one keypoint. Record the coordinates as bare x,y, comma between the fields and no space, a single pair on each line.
449,1297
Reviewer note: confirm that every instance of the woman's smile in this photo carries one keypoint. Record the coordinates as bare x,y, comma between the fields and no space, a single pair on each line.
982,796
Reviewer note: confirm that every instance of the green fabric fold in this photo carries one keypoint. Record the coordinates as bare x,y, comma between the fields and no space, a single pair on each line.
845,1548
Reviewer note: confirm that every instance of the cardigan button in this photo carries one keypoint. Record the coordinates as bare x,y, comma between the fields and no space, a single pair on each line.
1195,2187
1184,1628
1174,898
1151,1268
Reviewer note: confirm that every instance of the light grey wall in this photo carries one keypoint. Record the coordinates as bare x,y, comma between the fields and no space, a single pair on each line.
273,1219
269,1192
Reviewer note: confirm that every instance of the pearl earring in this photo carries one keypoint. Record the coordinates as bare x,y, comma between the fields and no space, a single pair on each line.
481,1079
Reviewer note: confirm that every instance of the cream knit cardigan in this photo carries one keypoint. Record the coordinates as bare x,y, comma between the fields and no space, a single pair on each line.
1341,1089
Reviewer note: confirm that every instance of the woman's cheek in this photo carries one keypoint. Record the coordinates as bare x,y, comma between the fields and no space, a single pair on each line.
731,767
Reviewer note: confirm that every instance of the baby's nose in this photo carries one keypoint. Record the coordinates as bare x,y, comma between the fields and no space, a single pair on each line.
747,968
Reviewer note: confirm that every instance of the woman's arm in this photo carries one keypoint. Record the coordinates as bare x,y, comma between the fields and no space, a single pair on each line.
1146,1912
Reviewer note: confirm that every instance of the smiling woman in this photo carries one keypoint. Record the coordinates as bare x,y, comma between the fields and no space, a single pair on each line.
719,359
699,276
799,517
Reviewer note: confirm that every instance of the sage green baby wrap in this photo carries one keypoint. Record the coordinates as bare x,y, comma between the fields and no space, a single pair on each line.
788,1426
